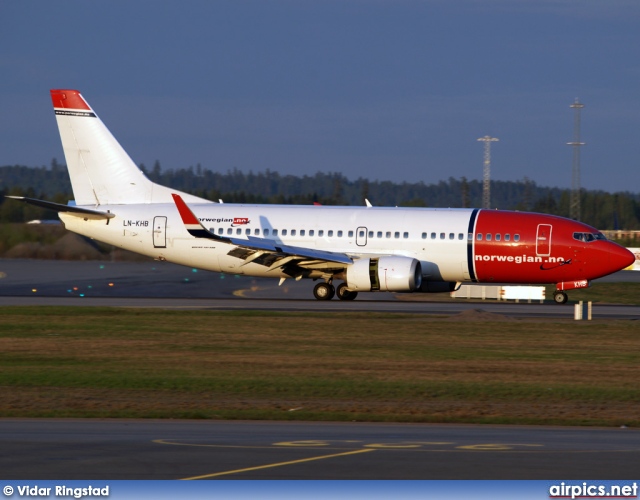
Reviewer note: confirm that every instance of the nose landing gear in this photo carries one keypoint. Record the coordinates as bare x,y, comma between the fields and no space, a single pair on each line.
560,297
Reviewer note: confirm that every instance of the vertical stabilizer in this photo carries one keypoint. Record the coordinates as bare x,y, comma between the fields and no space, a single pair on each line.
101,171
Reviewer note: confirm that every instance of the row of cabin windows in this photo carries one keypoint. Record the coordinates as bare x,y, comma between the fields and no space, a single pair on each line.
498,237
370,234
479,236
283,232
311,232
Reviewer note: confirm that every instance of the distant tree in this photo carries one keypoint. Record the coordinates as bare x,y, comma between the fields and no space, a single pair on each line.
600,209
464,191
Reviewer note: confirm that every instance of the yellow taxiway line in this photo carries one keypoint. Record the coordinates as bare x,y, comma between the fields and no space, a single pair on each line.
268,466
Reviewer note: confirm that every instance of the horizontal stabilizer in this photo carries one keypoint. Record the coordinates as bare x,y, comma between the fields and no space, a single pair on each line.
59,207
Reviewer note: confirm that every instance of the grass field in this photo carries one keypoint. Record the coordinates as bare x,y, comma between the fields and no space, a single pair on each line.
103,362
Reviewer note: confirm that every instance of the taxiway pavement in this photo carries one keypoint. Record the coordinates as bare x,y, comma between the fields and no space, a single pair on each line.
158,284
175,449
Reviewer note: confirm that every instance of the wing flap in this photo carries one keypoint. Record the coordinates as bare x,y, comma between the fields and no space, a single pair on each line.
197,229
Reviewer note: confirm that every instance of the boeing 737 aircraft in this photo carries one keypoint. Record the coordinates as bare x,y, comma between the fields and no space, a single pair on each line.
366,249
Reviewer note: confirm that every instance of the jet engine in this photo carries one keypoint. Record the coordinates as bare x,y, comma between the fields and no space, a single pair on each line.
385,274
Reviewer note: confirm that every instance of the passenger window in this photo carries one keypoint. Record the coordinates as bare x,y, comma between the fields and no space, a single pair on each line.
442,236
238,231
311,232
488,237
424,236
275,232
220,230
433,236
360,234
379,235
388,234
507,237
350,233
516,237
257,232
396,235
479,236
302,232
370,234
247,231
320,233
266,232
339,234
405,236
460,236
470,237
451,236
229,231
330,233
293,232
498,237
284,232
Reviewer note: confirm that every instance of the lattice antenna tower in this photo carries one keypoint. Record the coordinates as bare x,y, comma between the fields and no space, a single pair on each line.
486,177
574,208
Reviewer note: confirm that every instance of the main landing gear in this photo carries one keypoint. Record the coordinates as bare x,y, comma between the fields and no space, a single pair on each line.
560,297
344,294
326,291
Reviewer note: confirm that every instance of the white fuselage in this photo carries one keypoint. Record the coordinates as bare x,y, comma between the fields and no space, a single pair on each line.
157,231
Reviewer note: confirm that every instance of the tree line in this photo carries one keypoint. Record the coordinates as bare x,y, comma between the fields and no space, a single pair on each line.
600,209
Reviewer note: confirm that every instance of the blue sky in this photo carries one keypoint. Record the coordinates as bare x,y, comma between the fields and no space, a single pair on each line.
390,90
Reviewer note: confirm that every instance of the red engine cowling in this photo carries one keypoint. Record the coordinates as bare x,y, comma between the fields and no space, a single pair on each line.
385,274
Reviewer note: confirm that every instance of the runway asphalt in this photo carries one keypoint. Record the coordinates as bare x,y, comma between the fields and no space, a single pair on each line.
200,450
157,284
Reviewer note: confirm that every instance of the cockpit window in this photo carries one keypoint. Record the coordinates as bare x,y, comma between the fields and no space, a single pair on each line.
589,236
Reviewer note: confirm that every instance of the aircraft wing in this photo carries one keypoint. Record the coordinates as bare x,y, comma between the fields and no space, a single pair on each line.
259,247
59,207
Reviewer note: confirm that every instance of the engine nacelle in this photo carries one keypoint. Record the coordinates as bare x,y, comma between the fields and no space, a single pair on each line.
386,274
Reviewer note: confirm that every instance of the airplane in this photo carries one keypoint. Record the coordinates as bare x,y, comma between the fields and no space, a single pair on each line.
366,249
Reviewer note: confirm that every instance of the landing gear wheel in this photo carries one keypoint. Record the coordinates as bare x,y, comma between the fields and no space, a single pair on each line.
324,291
344,294
560,297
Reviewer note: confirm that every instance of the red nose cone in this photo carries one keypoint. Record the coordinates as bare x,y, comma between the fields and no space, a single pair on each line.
620,258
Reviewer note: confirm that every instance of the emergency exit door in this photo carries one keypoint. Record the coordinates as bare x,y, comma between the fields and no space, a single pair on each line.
361,236
543,240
